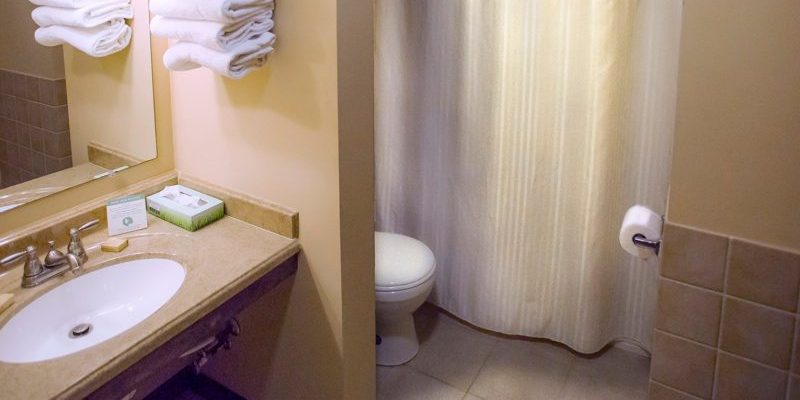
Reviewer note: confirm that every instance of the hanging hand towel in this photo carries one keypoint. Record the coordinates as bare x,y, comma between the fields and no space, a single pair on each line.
99,41
85,17
235,63
227,11
73,3
214,35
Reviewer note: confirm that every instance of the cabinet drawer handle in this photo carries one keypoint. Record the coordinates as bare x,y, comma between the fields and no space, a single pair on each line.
206,343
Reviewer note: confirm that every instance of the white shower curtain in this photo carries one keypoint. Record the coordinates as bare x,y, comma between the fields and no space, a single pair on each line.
511,137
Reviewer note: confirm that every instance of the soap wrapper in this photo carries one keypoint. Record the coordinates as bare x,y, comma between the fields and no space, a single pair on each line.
126,214
187,208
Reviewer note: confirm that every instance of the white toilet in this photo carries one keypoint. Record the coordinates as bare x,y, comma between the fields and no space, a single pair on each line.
403,279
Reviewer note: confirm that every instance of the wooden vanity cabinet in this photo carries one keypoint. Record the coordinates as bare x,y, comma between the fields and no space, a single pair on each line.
161,364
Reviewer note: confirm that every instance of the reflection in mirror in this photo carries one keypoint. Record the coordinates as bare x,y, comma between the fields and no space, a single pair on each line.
66,117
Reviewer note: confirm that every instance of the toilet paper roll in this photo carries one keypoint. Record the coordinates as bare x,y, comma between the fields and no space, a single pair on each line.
639,220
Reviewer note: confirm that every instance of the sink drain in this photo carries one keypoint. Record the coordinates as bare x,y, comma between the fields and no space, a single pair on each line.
80,330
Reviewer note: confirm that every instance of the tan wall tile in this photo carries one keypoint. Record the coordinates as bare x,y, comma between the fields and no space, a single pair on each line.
5,82
54,119
28,151
764,275
689,312
57,144
757,332
794,388
694,257
740,379
52,92
682,364
32,88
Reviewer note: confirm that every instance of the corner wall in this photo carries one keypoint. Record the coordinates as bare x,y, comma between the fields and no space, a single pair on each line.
727,320
298,133
736,157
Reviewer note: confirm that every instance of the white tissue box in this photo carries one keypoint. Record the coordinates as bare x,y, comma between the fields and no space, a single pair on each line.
187,208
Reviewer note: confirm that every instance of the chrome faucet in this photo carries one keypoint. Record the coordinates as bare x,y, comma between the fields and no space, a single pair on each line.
56,263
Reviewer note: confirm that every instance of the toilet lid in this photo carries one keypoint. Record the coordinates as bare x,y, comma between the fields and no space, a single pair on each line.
401,262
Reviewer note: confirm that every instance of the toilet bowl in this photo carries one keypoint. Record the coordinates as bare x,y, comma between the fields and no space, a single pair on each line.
404,270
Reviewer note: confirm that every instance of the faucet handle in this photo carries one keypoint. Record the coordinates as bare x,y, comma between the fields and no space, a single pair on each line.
33,266
85,227
75,247
10,259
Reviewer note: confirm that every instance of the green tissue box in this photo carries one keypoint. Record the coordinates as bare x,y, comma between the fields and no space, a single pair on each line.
187,208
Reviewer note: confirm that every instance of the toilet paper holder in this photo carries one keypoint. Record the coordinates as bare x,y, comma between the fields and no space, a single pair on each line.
641,241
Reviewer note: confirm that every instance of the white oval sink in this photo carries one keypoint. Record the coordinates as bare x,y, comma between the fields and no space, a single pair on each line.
89,309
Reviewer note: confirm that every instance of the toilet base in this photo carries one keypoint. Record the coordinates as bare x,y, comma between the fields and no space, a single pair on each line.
398,340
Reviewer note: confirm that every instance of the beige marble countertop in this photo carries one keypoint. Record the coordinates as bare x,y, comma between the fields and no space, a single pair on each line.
220,259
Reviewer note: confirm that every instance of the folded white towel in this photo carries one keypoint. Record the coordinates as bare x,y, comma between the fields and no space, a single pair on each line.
84,17
214,35
73,3
234,63
227,11
99,41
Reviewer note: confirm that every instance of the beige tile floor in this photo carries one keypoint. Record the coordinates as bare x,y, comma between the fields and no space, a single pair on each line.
458,362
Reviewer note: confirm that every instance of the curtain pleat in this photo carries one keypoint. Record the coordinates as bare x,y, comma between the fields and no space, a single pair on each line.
511,136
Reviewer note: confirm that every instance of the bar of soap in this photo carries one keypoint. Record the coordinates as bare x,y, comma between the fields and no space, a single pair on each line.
114,245
6,300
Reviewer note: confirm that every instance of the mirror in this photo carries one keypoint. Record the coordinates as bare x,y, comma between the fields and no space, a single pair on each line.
66,117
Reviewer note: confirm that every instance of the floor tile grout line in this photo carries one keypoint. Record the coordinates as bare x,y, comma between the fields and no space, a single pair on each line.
428,375
409,365
572,362
386,378
450,320
483,364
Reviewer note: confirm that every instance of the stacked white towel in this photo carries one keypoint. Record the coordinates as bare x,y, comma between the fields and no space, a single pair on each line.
229,37
95,27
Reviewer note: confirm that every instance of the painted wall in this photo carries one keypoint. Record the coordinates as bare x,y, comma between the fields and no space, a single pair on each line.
110,99
298,133
736,160
19,52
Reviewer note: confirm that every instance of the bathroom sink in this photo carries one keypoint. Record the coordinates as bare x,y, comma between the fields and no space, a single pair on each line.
89,309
